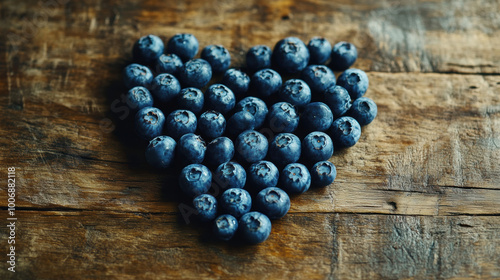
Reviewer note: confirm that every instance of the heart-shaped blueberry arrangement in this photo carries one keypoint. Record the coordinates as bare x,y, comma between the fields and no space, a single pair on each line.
245,143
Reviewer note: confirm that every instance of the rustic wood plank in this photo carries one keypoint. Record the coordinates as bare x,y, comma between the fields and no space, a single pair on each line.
393,35
340,246
433,141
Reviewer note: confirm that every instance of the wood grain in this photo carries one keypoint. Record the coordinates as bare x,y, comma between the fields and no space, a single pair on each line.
417,198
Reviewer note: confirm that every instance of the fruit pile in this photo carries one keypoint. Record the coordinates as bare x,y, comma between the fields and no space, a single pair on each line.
245,143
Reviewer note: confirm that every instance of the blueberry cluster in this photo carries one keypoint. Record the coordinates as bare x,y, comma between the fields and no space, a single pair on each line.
244,144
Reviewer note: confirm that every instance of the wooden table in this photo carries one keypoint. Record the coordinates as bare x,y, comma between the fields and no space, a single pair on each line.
418,197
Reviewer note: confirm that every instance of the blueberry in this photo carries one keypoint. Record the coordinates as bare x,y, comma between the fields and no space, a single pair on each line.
237,81
195,73
355,81
338,99
258,57
220,98
211,124
191,149
251,146
219,150
168,63
273,202
283,117
230,175
195,179
165,87
254,106
206,207
224,227
295,92
218,57
345,132
191,99
284,149
240,122
138,98
364,110
290,55
318,78
147,49
343,56
317,146
319,50
295,178
149,122
262,174
254,227
137,75
180,122
266,82
235,202
160,152
317,116
323,173
183,45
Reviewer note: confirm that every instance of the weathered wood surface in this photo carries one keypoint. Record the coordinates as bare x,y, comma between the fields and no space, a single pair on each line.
417,197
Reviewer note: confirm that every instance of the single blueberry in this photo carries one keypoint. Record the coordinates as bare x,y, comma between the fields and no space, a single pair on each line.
168,63
218,57
220,98
295,92
345,132
219,150
211,124
343,55
235,202
137,75
191,99
180,122
149,122
266,82
230,175
290,55
355,81
195,73
273,202
224,227
195,179
258,57
183,45
251,146
138,98
338,99
318,78
284,149
160,152
317,116
323,173
295,178
147,49
319,50
283,117
165,87
262,174
316,146
239,122
237,81
254,106
206,207
191,149
364,110
254,227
